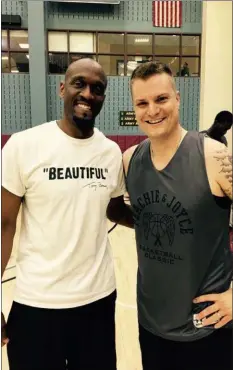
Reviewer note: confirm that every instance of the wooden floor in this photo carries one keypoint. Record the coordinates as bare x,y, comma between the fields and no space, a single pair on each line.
124,252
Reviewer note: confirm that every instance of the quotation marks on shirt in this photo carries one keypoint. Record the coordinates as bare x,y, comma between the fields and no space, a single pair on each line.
46,170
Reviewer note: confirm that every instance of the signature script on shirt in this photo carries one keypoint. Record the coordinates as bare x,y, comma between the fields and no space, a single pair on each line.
94,185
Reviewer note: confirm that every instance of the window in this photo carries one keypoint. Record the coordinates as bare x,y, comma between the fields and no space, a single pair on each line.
57,41
139,44
4,40
111,43
81,42
190,45
111,64
15,51
19,40
189,67
58,63
134,61
173,62
120,53
167,45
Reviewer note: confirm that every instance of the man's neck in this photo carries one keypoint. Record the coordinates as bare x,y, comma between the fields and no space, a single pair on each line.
164,148
70,129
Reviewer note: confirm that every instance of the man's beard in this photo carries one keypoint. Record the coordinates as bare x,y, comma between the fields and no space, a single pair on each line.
84,125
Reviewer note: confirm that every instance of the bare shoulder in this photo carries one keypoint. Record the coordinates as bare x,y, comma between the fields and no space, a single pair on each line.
216,151
127,156
219,164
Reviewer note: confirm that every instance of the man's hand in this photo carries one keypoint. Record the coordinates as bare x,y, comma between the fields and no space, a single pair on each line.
5,340
119,212
220,310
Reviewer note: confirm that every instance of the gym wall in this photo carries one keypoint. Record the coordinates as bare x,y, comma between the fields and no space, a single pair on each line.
20,93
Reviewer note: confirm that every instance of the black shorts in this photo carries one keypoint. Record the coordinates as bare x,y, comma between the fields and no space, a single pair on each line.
81,338
213,352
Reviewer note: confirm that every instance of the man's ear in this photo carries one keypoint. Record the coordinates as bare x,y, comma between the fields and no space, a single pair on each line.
62,89
178,98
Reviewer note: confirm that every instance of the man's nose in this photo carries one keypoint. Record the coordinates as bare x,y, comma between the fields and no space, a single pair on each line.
153,110
87,93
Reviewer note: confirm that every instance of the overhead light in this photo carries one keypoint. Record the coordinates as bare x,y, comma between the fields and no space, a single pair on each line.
142,40
24,46
5,57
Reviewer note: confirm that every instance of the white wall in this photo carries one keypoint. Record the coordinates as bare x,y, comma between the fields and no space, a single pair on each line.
216,65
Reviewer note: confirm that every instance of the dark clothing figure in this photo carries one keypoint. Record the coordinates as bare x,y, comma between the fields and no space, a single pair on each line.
222,123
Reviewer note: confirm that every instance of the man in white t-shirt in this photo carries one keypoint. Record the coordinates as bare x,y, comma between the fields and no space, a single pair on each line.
67,176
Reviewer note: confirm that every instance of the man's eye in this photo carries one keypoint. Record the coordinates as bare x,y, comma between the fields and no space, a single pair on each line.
162,99
99,89
78,83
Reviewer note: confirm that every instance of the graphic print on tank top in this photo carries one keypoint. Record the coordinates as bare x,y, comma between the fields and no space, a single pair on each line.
161,227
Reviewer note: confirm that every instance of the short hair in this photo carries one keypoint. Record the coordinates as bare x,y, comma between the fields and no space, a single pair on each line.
224,118
148,69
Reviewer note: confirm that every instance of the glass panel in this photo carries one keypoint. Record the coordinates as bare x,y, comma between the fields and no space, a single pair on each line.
19,62
74,57
19,40
57,41
134,61
82,42
139,44
5,63
111,43
172,62
112,65
58,63
165,44
190,45
4,40
189,67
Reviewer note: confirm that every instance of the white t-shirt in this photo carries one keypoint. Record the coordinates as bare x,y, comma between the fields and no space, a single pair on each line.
64,257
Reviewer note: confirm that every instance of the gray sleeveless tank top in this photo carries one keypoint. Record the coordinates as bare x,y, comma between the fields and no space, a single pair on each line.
182,239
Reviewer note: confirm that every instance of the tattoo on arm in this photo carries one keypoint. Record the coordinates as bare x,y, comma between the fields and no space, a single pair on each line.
225,161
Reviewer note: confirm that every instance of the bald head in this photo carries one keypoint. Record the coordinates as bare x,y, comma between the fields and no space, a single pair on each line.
83,65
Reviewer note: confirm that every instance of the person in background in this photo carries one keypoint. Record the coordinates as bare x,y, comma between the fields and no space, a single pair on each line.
185,70
222,123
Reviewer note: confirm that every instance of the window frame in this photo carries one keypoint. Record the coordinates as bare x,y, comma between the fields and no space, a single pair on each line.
9,50
126,54
98,53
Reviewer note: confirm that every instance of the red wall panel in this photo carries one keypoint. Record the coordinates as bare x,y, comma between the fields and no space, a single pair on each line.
124,142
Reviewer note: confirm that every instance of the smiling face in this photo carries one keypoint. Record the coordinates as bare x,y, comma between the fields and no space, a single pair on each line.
156,104
83,93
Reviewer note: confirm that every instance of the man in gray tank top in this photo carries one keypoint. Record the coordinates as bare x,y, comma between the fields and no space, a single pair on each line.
180,190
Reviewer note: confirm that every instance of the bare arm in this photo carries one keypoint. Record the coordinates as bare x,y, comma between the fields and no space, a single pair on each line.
127,156
223,159
120,212
10,209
